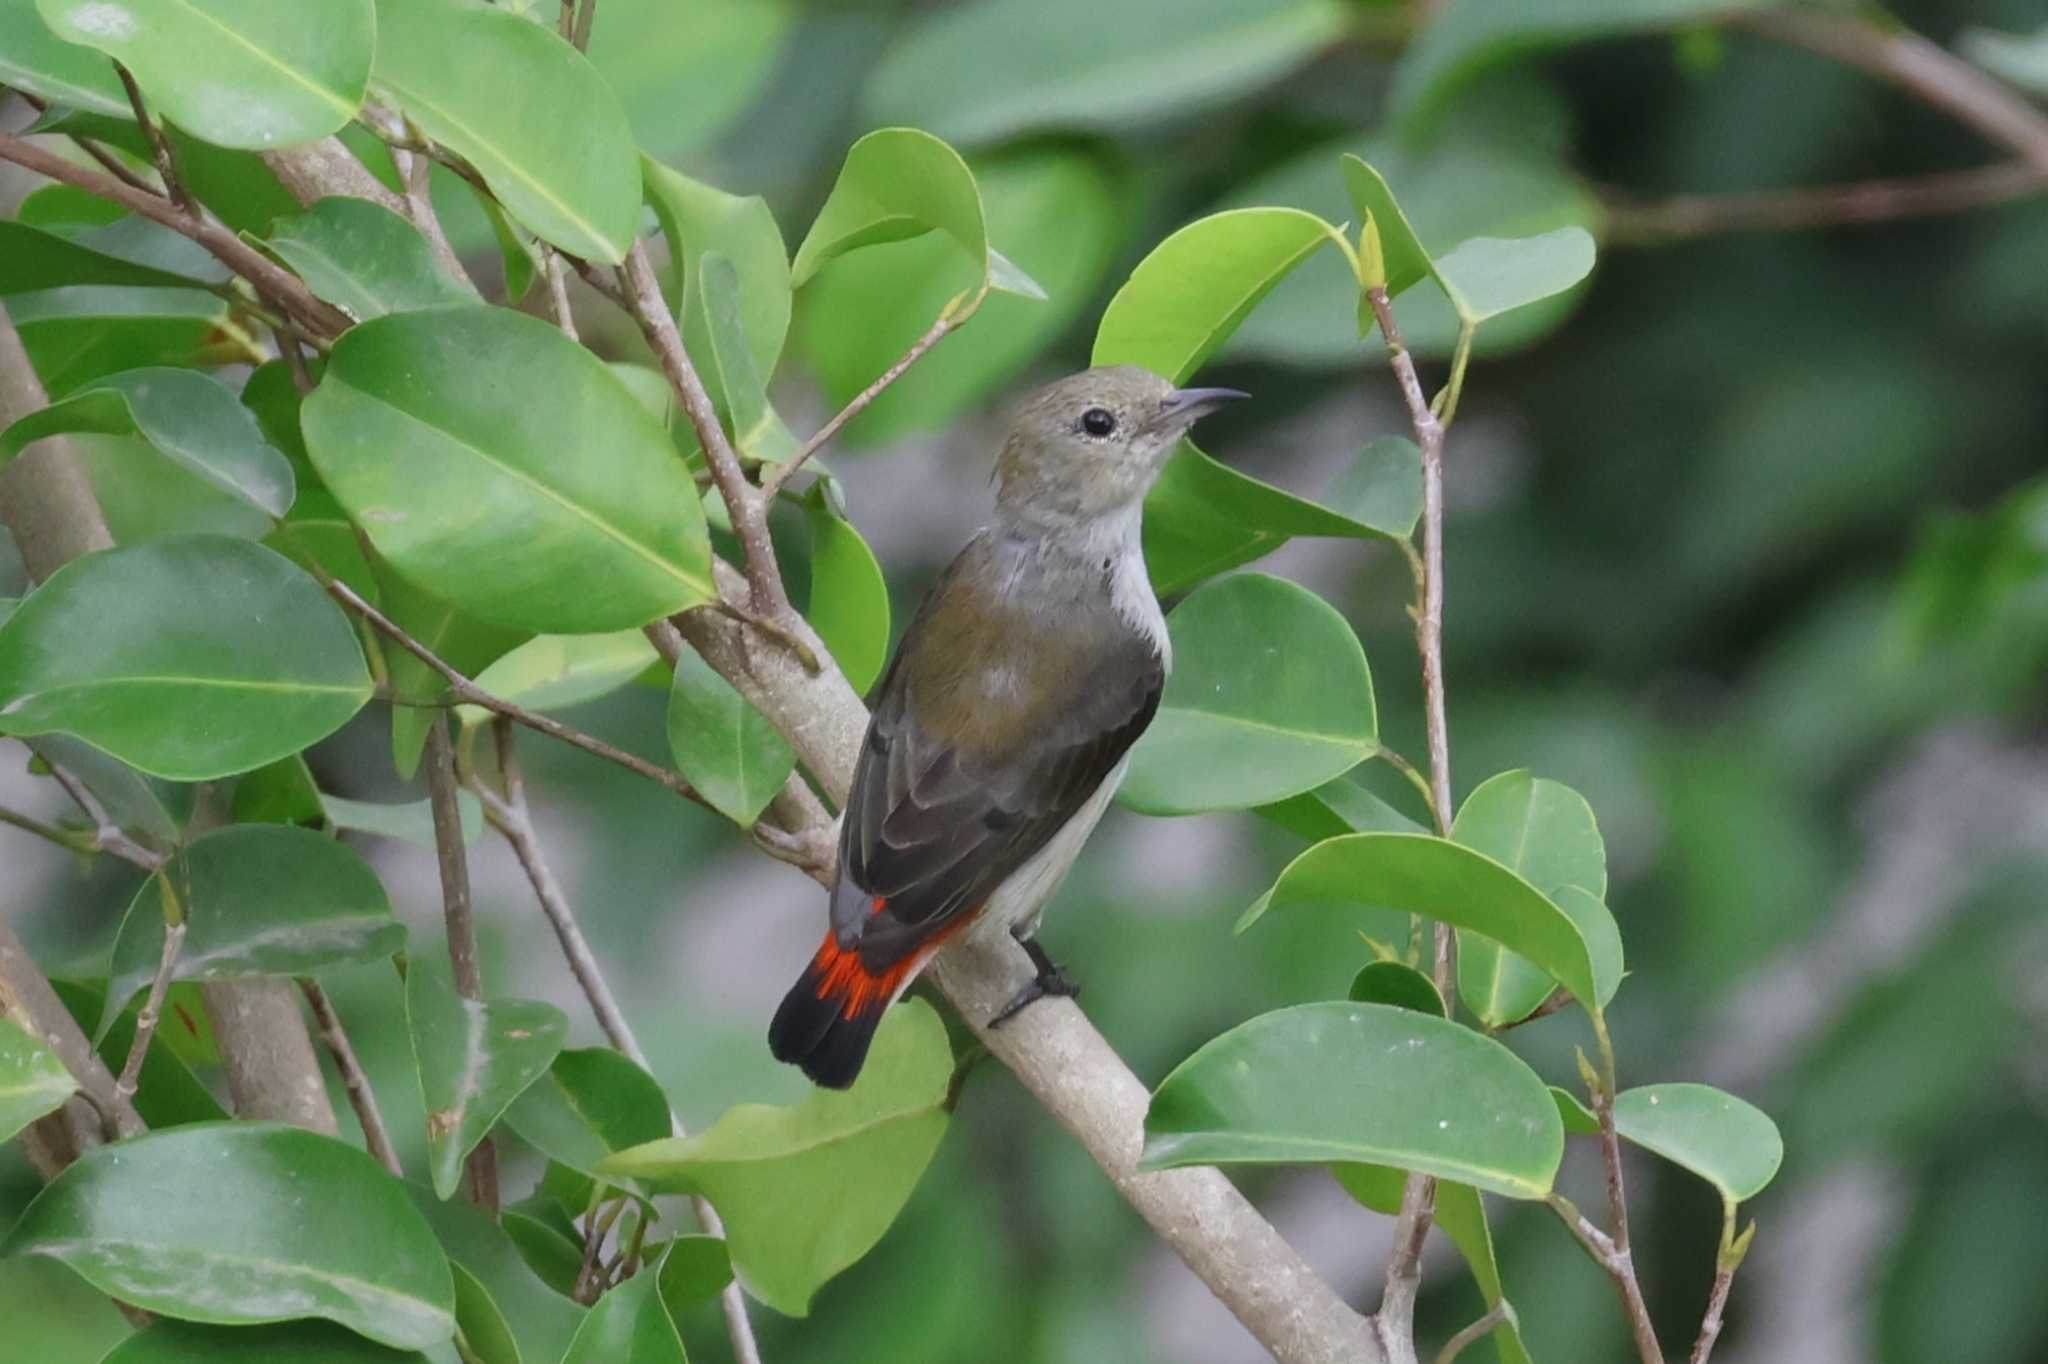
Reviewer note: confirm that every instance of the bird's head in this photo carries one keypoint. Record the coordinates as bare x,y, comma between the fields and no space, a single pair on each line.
1093,443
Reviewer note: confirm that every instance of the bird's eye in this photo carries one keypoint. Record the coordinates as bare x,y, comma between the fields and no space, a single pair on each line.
1098,421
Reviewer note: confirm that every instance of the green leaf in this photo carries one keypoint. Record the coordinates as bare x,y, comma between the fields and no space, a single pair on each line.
1488,276
540,1320
239,73
698,219
554,1255
683,72
77,334
474,1056
1396,983
560,155
849,604
410,820
258,899
32,1080
149,809
1203,518
1576,1116
1401,251
1359,1082
727,748
166,655
806,1191
730,372
590,1105
484,1331
554,672
1338,807
1269,696
983,71
456,637
167,1093
301,1342
1730,1144
37,61
281,793
1468,36
1187,297
364,259
32,259
696,1269
443,433
1422,874
52,1315
629,1325
189,418
1544,832
896,184
185,1223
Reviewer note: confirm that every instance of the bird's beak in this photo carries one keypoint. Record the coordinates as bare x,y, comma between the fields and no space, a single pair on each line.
1184,405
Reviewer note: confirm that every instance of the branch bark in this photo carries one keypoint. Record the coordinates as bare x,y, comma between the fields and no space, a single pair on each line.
1689,216
439,771
354,1082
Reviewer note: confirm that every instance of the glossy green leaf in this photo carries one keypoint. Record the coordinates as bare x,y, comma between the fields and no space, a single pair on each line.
37,61
165,656
52,1315
258,899
457,638
554,672
280,793
300,1342
191,419
474,1057
147,808
591,1104
1338,807
560,156
1544,832
364,259
899,183
1269,696
1060,209
443,434
806,1191
410,820
1577,1118
1203,518
696,1269
698,219
728,361
1398,984
1402,255
1184,300
539,1319
555,1255
481,1322
31,258
630,1324
1468,36
240,73
982,71
1422,874
1725,1141
77,334
1418,1092
185,1223
727,748
168,1093
849,603
1488,276
32,1080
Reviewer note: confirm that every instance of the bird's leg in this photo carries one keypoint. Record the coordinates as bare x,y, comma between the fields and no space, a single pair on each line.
1050,980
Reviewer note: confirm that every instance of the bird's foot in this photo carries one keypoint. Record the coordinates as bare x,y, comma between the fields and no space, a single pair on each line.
1050,980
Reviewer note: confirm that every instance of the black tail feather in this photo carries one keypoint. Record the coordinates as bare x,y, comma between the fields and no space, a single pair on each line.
818,1033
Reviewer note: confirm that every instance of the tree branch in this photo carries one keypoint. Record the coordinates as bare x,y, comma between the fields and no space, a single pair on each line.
354,1082
159,149
1689,216
271,279
152,1006
1458,1343
1925,69
26,997
439,771
1620,1266
772,484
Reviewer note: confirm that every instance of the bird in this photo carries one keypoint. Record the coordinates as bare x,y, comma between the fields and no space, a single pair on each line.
1004,721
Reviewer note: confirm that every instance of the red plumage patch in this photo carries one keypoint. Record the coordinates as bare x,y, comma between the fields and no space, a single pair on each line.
844,979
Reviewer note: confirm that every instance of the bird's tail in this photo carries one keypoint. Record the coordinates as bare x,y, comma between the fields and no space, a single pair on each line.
830,1015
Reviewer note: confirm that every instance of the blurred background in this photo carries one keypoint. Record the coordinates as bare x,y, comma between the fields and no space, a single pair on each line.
1741,544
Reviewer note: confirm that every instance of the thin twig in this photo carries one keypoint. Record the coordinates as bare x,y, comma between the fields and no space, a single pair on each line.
1620,1267
773,482
159,149
1457,1344
586,14
439,769
116,167
294,358
558,292
108,837
271,279
354,1082
1710,1324
152,1007
596,1226
75,842
1690,216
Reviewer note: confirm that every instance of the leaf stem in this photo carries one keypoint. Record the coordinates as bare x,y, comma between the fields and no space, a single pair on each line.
159,149
78,842
1502,1311
354,1081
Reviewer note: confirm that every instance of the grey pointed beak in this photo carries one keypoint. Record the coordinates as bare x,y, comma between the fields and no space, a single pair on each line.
1185,405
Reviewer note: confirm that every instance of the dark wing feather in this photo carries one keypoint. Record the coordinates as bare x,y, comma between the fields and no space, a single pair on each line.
954,791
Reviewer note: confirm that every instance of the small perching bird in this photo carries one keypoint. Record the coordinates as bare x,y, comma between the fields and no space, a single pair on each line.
1003,724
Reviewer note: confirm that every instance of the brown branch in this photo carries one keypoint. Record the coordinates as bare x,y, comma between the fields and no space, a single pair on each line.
439,771
354,1082
585,16
1620,1266
116,167
273,1072
159,149
1710,1324
152,1007
1928,71
107,837
26,998
1690,216
1471,1335
773,482
271,279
